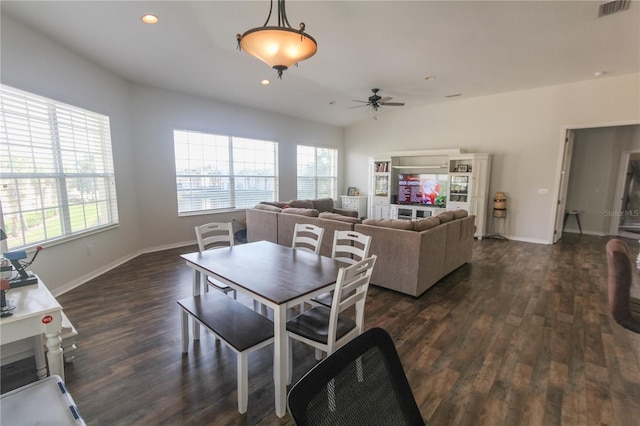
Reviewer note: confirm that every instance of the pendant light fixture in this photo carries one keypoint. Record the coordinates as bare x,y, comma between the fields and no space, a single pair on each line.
279,47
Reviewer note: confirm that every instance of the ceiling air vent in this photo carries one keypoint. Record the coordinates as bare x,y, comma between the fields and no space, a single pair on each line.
612,7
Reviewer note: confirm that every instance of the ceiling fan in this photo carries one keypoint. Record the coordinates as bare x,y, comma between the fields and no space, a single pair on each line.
376,101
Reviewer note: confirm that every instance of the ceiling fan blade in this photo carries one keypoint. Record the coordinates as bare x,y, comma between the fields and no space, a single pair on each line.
359,106
392,103
355,100
385,99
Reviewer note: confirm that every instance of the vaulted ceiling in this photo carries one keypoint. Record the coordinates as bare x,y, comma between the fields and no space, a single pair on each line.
472,48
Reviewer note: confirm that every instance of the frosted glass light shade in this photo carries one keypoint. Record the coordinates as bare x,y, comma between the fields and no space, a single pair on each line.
278,47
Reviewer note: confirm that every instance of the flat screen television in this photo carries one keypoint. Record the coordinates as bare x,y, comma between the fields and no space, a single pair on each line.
427,189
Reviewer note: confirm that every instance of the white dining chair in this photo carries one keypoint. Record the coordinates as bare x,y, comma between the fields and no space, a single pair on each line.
328,328
307,237
212,236
348,247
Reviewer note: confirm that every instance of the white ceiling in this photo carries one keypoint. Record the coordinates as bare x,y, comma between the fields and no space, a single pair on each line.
472,47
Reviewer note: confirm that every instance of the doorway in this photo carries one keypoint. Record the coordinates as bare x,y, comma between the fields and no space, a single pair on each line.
598,181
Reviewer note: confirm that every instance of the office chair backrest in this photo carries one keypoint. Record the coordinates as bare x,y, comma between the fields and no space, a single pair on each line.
362,383
619,283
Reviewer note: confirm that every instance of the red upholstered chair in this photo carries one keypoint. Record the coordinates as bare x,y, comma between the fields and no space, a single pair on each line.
624,308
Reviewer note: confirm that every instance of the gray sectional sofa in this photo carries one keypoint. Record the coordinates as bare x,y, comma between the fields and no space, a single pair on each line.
412,256
274,221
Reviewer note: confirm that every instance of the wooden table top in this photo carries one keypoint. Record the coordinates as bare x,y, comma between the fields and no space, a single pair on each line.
275,272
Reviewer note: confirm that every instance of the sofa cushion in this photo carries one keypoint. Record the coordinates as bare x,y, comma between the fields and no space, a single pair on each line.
426,223
268,207
280,204
460,213
301,204
337,216
323,205
445,217
302,212
390,223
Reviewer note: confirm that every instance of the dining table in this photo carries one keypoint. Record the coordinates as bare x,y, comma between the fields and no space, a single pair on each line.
274,275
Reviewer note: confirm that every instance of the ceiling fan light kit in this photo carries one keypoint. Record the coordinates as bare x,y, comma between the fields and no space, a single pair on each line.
280,46
376,101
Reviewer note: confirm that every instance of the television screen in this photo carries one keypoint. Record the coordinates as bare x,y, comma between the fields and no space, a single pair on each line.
429,189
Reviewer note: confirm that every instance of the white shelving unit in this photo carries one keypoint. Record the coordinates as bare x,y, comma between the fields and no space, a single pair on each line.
468,183
413,211
469,187
379,188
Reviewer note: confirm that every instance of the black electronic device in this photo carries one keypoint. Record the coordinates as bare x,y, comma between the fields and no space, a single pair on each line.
23,276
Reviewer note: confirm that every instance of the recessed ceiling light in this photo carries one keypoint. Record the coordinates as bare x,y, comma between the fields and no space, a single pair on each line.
265,82
332,102
150,19
599,73
430,77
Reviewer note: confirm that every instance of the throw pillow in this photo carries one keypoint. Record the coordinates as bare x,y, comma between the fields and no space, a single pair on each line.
301,204
323,205
339,217
426,223
301,212
279,204
445,217
268,208
390,223
460,213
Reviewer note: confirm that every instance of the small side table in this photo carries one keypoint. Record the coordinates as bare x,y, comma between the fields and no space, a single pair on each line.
576,214
36,312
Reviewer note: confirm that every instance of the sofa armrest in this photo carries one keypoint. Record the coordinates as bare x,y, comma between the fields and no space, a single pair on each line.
346,212
262,225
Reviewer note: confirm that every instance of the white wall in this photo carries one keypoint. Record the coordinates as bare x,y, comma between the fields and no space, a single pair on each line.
523,130
595,168
33,63
142,123
158,112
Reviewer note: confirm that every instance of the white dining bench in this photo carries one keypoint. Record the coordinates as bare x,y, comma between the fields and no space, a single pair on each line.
236,325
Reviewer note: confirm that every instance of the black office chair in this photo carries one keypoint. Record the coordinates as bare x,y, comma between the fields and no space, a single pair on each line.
362,383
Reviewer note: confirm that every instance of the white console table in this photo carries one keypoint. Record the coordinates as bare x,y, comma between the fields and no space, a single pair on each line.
413,211
355,202
36,312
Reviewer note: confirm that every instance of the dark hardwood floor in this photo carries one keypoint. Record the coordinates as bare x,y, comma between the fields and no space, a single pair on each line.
519,336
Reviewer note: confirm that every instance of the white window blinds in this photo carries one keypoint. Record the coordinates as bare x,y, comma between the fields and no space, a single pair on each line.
317,172
56,169
215,172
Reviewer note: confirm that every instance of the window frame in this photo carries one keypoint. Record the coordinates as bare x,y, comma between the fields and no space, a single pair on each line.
62,156
317,177
236,201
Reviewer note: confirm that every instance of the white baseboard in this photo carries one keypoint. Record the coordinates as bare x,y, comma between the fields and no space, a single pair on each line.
94,274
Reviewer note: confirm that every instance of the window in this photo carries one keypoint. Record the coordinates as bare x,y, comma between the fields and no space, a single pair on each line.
317,172
56,169
216,172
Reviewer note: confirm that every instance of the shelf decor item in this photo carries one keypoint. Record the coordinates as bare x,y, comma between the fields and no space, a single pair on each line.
351,191
463,168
